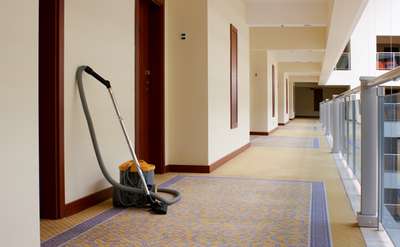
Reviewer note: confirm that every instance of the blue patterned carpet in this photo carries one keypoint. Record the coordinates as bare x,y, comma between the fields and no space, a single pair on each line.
216,211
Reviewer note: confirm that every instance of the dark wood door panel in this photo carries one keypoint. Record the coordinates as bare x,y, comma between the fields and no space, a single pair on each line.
149,117
51,108
234,77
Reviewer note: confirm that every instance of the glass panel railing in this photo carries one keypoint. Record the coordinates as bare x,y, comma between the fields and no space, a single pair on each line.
390,167
350,133
382,143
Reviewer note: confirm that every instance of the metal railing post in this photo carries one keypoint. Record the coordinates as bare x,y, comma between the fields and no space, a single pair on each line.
353,99
341,127
381,151
330,118
321,120
335,126
368,217
347,131
325,118
321,114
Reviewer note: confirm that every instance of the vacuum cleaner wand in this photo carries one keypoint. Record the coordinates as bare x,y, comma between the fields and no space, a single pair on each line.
157,204
157,207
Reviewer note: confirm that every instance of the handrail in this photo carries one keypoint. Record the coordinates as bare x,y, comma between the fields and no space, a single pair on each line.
392,75
349,92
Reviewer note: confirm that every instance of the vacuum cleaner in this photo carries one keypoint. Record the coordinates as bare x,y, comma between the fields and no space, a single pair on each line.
136,187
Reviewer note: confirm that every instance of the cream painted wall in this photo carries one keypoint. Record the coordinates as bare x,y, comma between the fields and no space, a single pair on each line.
222,140
272,121
261,117
98,33
268,38
258,91
198,80
19,178
186,83
283,116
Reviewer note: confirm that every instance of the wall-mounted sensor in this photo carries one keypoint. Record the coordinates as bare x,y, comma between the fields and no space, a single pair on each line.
183,36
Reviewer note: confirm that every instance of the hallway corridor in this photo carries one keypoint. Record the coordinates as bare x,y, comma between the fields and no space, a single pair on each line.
295,152
295,155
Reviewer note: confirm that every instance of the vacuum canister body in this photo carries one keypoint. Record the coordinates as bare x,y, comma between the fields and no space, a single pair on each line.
130,177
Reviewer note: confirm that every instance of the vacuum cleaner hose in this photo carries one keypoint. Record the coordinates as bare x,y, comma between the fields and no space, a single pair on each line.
176,195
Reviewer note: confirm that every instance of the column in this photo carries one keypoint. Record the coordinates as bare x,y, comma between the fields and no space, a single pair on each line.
368,217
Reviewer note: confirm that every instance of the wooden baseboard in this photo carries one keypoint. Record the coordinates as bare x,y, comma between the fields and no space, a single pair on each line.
188,168
100,196
258,133
209,168
214,166
87,202
261,133
313,117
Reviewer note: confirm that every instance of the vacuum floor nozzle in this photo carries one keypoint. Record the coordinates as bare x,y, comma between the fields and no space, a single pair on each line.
158,207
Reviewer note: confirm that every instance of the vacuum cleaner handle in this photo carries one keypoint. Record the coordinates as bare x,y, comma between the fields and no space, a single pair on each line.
93,73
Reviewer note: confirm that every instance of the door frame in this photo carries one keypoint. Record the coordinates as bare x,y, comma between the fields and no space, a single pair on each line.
140,46
51,108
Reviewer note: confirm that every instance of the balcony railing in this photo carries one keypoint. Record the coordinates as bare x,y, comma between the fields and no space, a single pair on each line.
368,142
387,60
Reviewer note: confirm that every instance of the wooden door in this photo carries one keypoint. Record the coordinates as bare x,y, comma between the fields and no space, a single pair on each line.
149,85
